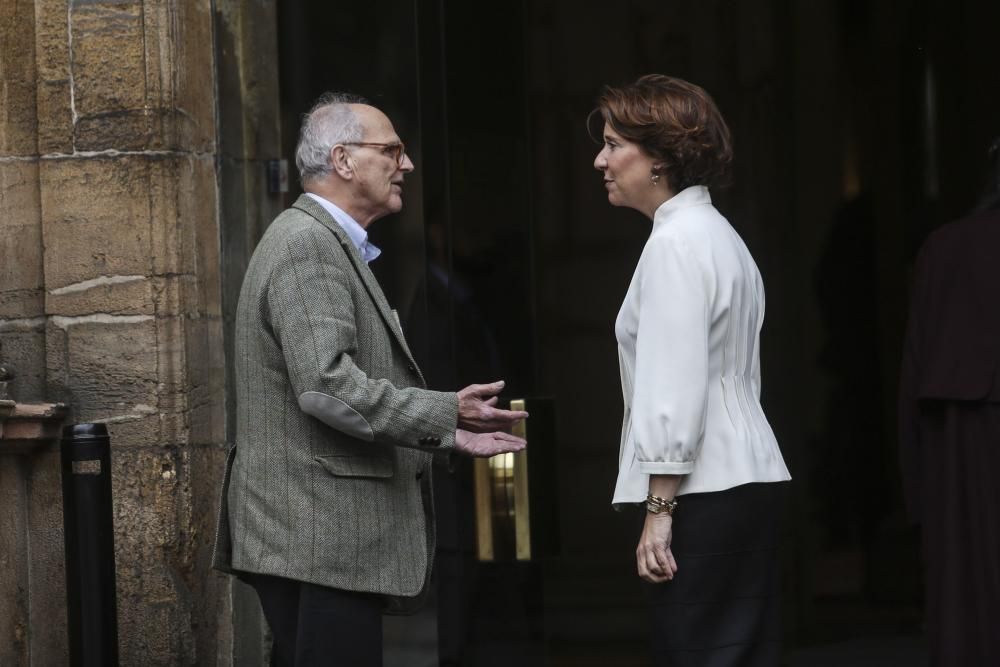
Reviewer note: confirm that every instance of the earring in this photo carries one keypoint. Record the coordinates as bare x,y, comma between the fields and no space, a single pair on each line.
655,178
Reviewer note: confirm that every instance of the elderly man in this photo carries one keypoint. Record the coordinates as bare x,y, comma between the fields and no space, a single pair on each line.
326,507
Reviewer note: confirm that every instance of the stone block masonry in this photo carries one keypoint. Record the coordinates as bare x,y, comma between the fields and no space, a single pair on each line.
110,302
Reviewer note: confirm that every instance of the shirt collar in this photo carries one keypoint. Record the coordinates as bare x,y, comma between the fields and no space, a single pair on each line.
359,237
692,196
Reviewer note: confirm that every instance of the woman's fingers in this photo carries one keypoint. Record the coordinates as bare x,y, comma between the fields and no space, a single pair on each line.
640,564
661,555
648,567
671,561
654,560
652,564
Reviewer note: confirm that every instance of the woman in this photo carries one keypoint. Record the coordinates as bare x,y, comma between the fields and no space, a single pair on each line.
695,445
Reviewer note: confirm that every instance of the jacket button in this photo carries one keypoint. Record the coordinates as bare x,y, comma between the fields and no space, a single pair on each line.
420,474
411,368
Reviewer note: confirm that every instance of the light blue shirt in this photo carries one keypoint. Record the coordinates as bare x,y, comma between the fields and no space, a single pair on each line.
357,233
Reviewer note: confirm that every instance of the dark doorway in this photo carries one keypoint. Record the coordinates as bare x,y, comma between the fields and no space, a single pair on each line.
858,128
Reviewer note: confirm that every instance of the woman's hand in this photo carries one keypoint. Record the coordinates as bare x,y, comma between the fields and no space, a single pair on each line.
654,559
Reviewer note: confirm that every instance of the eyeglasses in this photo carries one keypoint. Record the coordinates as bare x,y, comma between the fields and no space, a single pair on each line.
395,150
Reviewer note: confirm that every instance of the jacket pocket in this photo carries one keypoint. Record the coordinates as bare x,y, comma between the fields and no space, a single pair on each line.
357,466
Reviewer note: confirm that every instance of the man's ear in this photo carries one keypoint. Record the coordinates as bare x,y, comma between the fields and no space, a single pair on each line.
342,162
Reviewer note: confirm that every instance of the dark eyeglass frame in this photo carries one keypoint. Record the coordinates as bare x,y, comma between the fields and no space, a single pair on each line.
398,147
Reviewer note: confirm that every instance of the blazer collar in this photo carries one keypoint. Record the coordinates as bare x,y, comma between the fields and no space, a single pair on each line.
313,208
309,205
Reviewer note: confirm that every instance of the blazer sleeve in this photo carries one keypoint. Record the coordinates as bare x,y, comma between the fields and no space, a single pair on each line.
312,314
670,398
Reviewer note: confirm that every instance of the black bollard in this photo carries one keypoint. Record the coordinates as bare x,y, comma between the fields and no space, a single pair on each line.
90,546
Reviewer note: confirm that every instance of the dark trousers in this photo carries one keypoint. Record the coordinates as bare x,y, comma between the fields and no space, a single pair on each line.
723,607
317,626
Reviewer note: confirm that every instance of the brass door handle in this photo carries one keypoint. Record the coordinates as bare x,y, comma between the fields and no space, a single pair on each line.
503,511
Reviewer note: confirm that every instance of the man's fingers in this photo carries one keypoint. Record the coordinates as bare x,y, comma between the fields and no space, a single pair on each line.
506,440
492,419
507,415
508,443
477,409
491,444
492,388
480,416
480,390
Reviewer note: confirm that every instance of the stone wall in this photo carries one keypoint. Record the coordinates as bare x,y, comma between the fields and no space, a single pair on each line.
110,301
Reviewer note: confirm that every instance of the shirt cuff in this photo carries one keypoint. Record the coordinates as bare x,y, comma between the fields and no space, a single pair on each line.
666,467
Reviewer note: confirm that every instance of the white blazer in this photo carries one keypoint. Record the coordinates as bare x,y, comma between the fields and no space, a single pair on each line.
689,350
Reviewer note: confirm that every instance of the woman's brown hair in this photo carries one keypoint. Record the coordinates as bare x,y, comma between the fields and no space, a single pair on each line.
674,121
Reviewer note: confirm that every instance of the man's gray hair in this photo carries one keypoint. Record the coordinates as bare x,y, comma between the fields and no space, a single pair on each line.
331,121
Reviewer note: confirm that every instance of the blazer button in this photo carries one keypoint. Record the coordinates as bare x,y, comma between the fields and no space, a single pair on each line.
420,474
411,368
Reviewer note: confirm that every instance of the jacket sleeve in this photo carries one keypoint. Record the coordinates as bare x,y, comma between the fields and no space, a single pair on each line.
312,313
669,403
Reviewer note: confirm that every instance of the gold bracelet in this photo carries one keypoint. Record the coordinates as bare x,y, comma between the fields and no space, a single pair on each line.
658,505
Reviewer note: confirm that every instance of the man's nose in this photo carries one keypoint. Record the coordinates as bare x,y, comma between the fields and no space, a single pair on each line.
407,165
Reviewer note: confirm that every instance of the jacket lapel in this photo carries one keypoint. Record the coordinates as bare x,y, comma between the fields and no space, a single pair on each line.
309,205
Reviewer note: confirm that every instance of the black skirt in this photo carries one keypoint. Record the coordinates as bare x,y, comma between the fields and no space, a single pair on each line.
723,607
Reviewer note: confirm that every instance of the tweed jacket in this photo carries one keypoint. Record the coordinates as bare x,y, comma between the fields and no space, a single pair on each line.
329,478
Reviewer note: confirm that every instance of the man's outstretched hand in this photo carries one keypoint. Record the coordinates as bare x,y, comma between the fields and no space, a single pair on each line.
487,444
477,411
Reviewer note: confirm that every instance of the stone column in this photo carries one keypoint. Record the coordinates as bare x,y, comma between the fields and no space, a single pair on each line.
249,136
110,301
